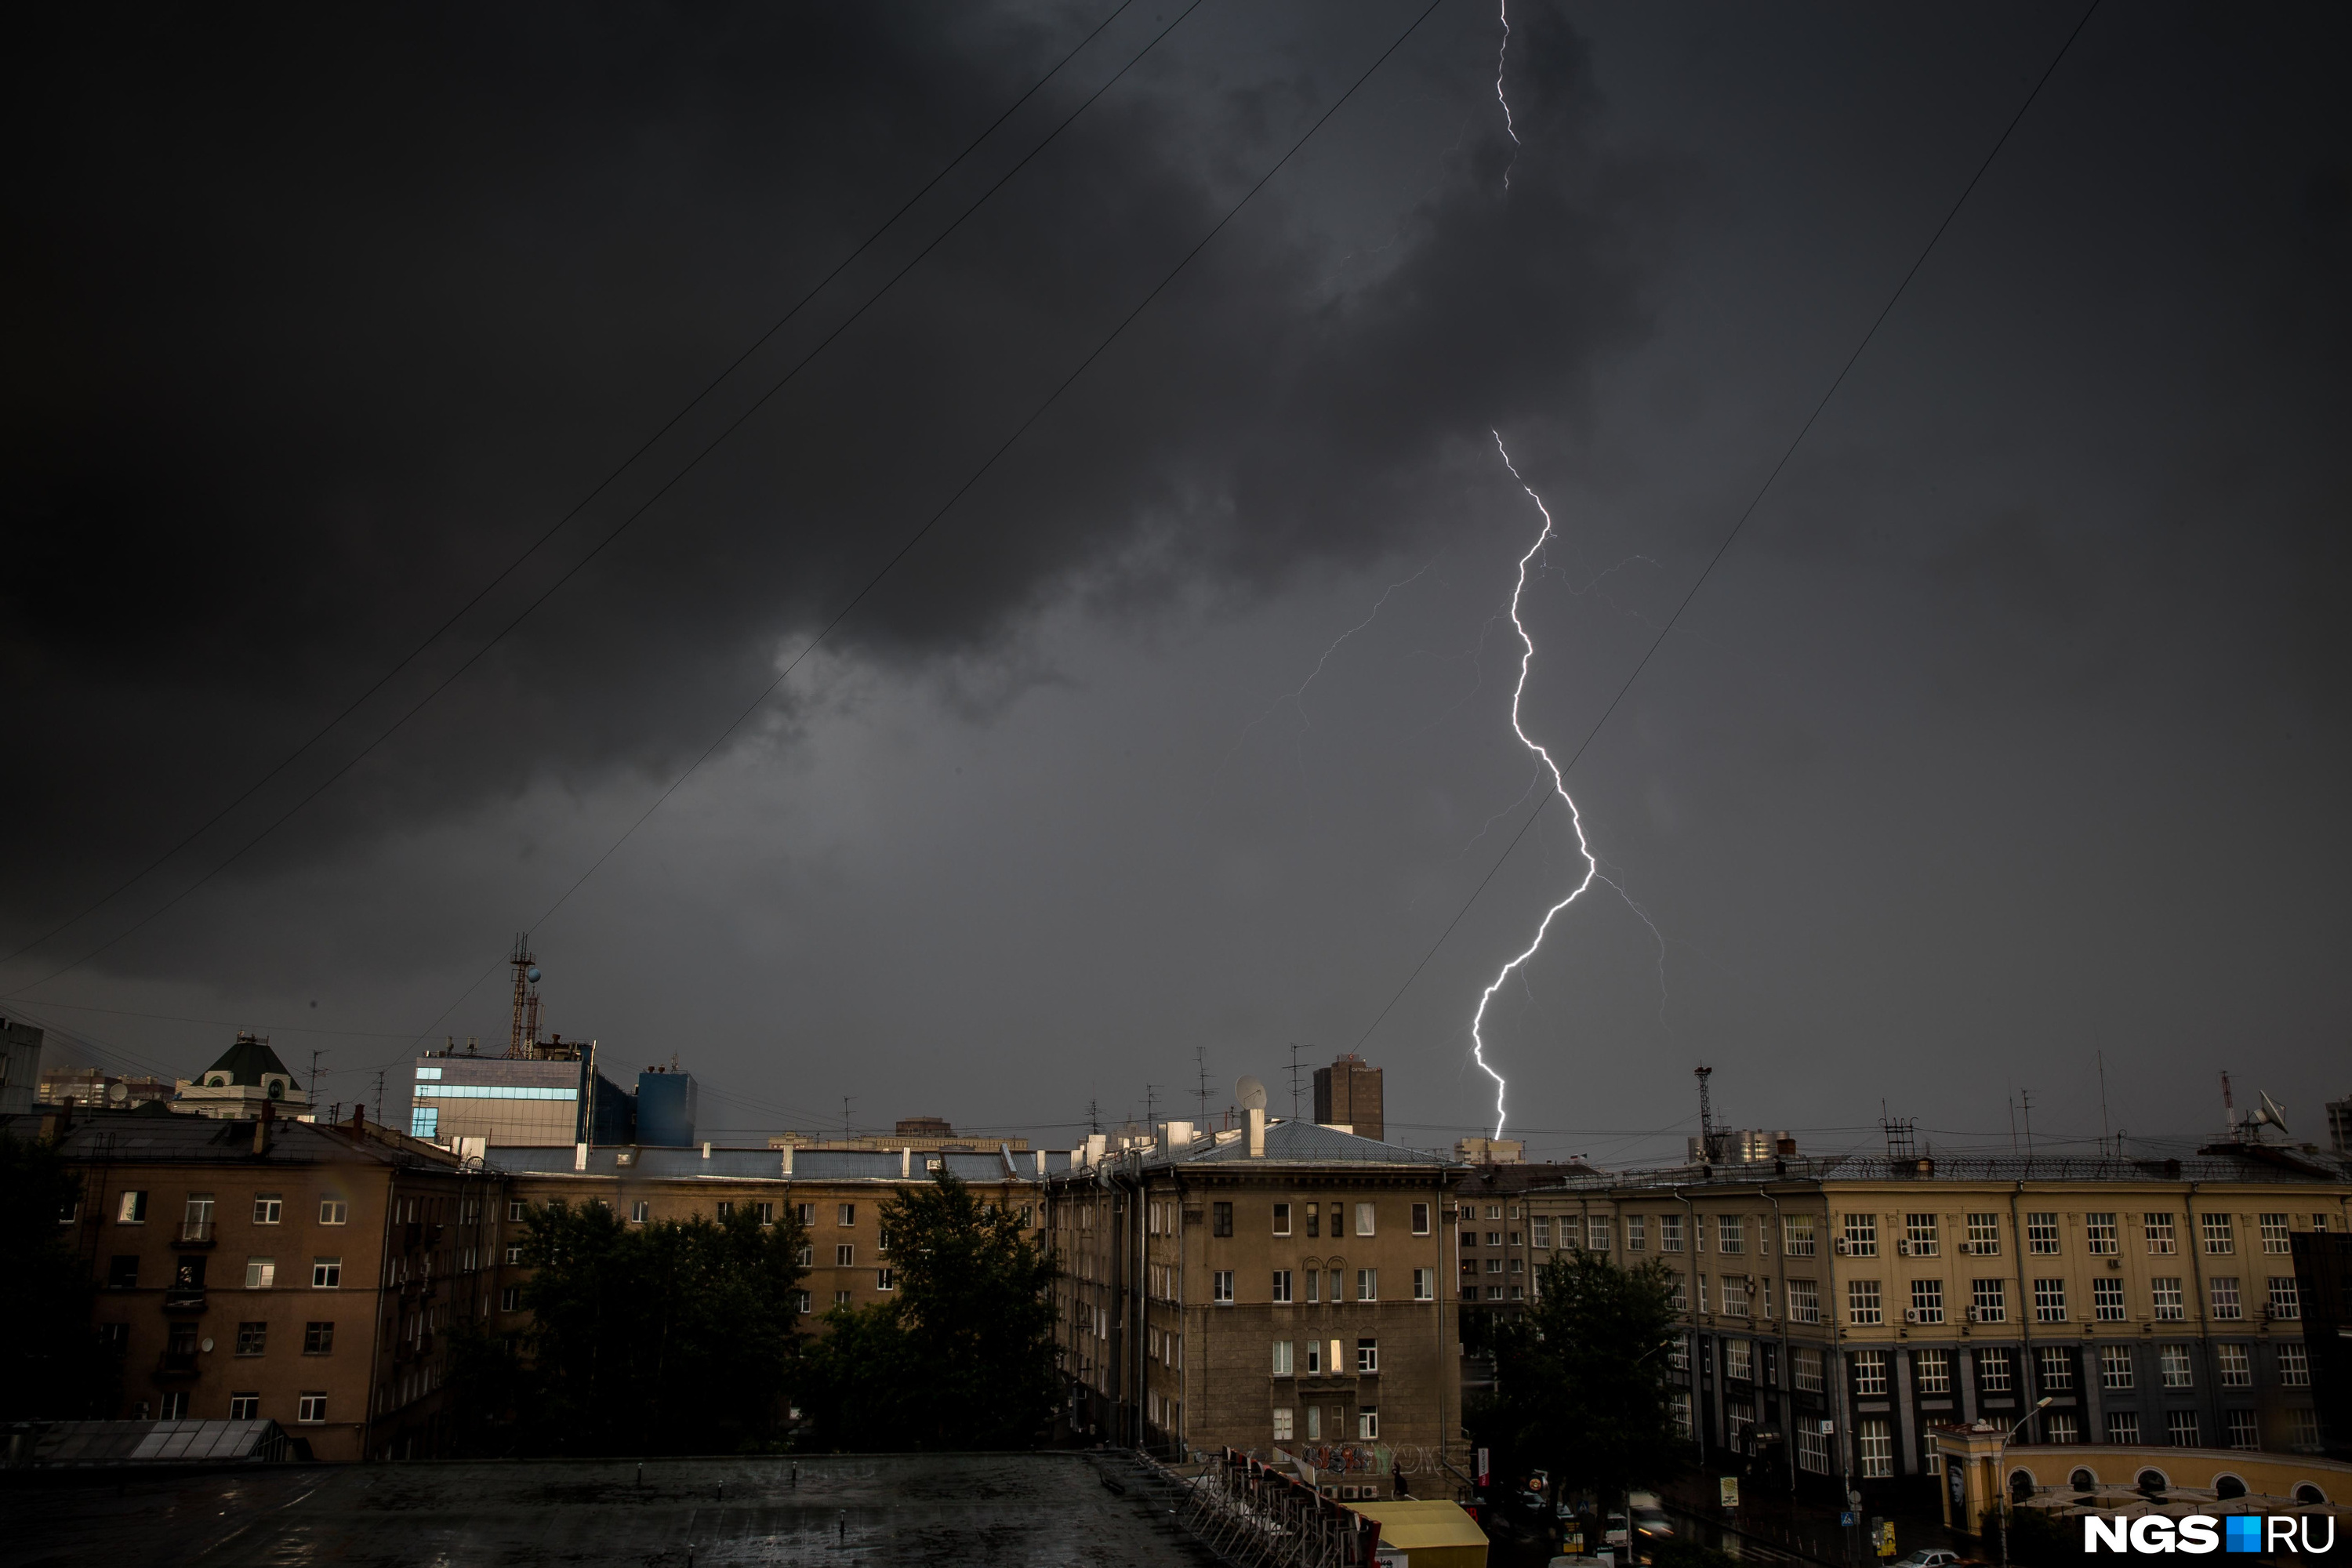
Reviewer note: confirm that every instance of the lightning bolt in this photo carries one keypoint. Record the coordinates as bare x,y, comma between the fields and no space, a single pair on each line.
1502,54
1559,784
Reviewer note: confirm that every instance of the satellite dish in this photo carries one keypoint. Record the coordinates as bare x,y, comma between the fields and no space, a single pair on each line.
531,974
1250,1092
2270,1114
118,1092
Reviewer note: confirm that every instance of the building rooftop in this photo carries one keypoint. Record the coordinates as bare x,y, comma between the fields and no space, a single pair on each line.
145,1137
761,1164
2268,1163
244,1063
1297,1143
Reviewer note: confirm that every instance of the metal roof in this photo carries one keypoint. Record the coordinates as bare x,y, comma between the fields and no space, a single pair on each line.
763,1164
1844,1168
145,1138
1302,1143
159,1443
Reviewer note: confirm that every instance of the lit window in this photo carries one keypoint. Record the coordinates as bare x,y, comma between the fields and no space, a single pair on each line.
261,1273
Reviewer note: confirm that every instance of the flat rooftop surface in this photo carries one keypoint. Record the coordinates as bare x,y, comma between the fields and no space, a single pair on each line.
927,1509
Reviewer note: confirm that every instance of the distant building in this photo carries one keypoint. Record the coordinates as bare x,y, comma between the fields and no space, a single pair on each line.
248,1075
666,1107
2339,1125
923,1134
1490,1150
20,1065
95,1086
1348,1094
550,1094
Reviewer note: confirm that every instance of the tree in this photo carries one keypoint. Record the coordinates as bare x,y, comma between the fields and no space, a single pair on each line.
963,1354
51,1363
1581,1378
671,1338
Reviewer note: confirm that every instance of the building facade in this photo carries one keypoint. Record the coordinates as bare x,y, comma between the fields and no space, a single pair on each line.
279,1270
1836,1311
21,1078
1350,1095
543,1093
1282,1286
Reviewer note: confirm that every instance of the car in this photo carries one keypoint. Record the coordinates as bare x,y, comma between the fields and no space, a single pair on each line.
1929,1557
1652,1521
1613,1533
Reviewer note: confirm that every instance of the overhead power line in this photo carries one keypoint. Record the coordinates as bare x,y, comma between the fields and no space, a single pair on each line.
1757,500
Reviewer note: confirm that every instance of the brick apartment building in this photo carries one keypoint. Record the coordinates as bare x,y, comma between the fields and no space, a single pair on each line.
278,1269
1279,1286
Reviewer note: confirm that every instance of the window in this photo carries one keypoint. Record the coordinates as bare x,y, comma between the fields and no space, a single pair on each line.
1702,1292
1425,1284
326,1274
122,1273
2295,1366
2061,1426
1996,1371
2223,1298
2237,1368
2042,1234
1698,1233
130,1208
269,1208
882,1281
845,1255
424,1121
2286,1304
1283,1427
1676,1296
1739,1359
1637,1233
1678,1354
2173,1367
1493,1211
1282,1358
1368,1356
2181,1427
1363,1219
252,1338
1543,1231
1797,1235
2115,1368
764,1213
1368,1426
317,1339
804,1302
1862,1235
2107,1300
1596,1232
1314,1219
261,1273
2275,1233
841,1298
2219,1239
1315,1358
1804,1368
1420,1219
1494,1238
2049,1301
334,1211
1989,1300
2123,1428
311,1409
1812,1451
1877,1444
2164,1296
1670,1233
805,1213
1804,1302
2303,1434
1735,1296
1368,1284
1222,1290
1984,1235
642,1211
245,1407
2157,1227
1315,1284
1282,1285
1919,1231
2057,1369
1927,1301
1221,1220
510,1299
1281,1218
2244,1431
805,1256
1932,1371
1862,1304
723,1211
196,1217
845,1215
1869,1371
1678,1400
1469,1211
1731,1234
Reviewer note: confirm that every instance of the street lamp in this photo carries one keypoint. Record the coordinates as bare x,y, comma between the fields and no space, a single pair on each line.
2000,1468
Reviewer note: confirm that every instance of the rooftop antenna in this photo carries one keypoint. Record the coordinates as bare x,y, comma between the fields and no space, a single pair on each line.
2102,1059
2025,1107
314,1081
1201,1059
2229,1107
1150,1105
846,1131
379,1097
2013,1123
1094,1117
1710,1143
1902,1135
1293,1080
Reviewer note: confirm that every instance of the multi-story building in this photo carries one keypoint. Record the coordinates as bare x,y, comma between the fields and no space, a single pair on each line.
1350,1095
246,1077
98,1088
279,1270
542,1093
20,1065
1495,1250
1282,1285
1836,1309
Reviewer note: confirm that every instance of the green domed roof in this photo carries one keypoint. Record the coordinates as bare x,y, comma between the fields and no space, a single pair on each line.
245,1062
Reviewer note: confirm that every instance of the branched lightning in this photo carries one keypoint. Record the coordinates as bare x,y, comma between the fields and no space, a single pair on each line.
1558,783
1502,54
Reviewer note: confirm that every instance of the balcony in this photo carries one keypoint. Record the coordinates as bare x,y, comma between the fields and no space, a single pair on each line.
184,1299
195,1236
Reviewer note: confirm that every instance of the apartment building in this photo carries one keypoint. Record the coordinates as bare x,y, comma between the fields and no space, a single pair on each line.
1836,1309
835,1194
278,1269
1282,1286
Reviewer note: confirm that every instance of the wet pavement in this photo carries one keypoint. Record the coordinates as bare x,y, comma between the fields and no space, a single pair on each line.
1050,1509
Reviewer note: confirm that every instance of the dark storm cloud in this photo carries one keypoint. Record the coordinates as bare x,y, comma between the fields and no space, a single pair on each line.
325,316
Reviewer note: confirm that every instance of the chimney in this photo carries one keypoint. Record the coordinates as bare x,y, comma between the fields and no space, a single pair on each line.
706,1148
787,1159
261,1128
580,1156
1257,1134
906,1161
1041,1161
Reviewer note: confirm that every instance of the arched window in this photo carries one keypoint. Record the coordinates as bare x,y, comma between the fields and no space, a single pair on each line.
2306,1492
2083,1481
2227,1487
2150,1482
2021,1485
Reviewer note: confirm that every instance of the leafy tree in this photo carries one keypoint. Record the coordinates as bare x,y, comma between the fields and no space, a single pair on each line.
1581,1378
963,1354
671,1338
51,1363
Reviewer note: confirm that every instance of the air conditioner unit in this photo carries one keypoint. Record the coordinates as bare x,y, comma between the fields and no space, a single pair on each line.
1910,1314
1841,1247
1975,1316
1903,1248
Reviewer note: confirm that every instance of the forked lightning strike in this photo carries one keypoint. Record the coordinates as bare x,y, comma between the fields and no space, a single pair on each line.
1559,784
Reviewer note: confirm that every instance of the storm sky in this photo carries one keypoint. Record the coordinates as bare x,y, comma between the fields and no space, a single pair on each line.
2002,743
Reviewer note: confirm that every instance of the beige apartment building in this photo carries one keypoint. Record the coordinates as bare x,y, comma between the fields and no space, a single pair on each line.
1281,1287
277,1269
1836,1309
